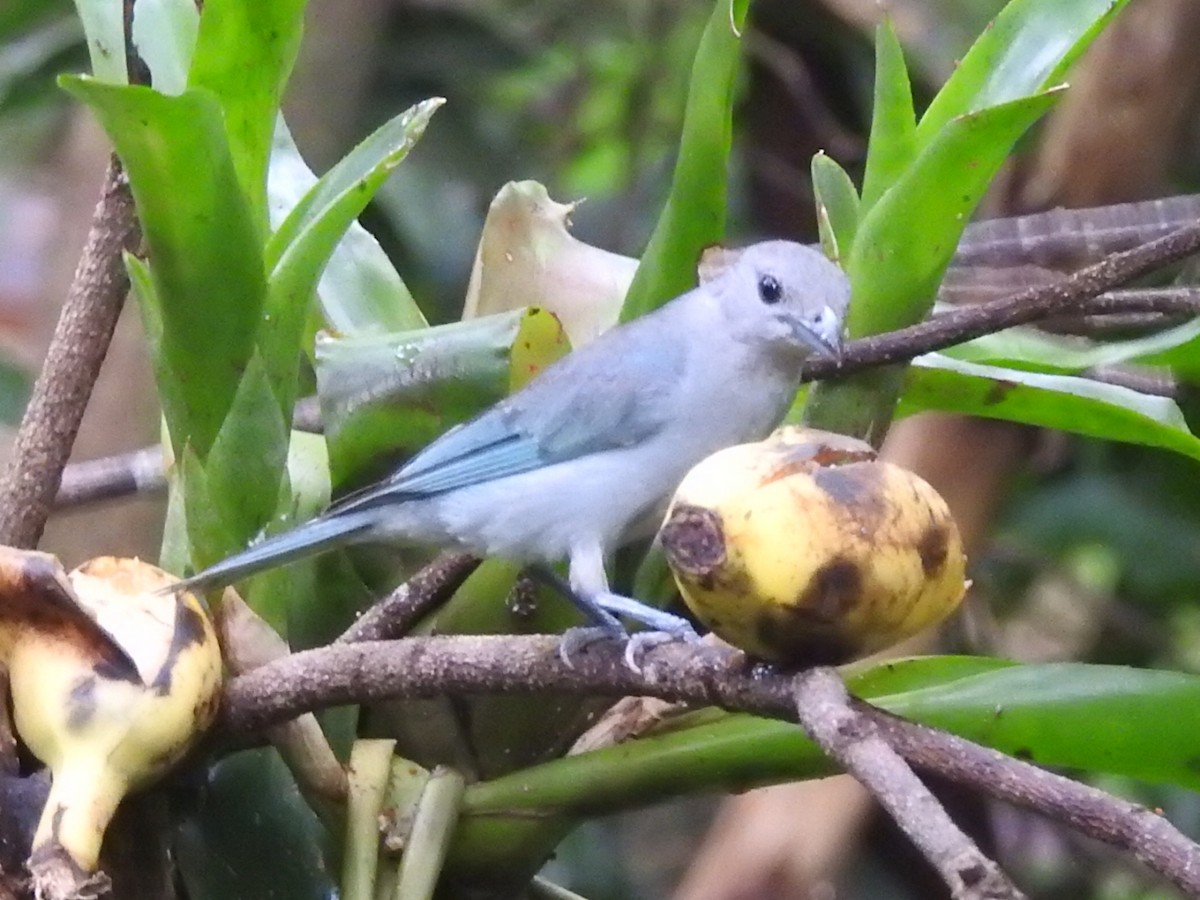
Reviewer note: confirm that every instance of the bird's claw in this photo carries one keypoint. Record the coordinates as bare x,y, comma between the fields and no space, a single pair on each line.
642,641
576,639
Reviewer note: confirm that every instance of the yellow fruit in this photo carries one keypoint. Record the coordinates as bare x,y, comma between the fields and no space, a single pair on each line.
804,549
111,683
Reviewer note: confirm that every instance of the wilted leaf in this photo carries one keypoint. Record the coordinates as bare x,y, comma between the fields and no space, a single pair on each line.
527,257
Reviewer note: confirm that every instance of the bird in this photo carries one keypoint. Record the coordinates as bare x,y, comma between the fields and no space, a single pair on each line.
585,457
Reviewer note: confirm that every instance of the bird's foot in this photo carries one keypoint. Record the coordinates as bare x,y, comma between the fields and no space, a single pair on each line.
642,641
576,639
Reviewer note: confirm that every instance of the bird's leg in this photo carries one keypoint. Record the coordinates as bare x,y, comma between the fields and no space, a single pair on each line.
588,589
664,627
605,623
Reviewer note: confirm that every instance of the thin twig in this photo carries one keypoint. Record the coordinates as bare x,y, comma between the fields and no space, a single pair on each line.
851,738
1076,294
1142,381
396,614
78,348
1150,837
416,668
137,472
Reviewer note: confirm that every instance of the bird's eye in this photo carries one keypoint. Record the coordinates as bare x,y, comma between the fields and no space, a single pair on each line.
769,289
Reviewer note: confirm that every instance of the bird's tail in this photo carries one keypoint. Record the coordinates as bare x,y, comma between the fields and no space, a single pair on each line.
322,533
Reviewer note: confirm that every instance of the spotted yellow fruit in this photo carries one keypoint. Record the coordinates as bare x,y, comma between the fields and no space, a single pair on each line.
111,684
805,549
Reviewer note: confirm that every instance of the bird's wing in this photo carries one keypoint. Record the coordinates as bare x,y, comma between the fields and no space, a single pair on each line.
612,393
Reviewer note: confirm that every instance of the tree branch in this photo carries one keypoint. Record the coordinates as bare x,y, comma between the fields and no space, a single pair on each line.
416,668
849,736
1077,294
64,386
396,614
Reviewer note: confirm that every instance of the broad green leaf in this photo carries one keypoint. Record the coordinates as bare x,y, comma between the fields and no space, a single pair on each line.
1138,723
345,190
298,252
1078,405
206,265
250,835
244,55
360,291
245,467
1026,348
164,36
837,207
104,25
694,215
907,238
200,513
1026,49
893,144
384,396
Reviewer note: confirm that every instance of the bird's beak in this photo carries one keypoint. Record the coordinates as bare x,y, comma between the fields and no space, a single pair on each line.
823,333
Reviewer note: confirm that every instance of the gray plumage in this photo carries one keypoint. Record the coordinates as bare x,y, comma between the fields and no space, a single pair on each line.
587,454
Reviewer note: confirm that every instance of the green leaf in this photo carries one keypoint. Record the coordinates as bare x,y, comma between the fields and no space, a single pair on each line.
205,250
298,252
1077,405
694,215
384,396
244,54
246,464
251,836
1026,49
837,206
200,512
1134,719
1178,349
1027,348
906,240
893,143
360,291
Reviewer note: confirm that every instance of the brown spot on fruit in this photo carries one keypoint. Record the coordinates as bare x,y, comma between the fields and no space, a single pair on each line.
836,456
857,491
189,630
933,548
797,644
832,590
694,542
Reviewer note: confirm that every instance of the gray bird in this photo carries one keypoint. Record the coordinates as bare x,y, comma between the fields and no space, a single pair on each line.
585,457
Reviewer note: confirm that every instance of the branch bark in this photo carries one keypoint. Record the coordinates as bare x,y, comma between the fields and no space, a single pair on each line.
415,668
64,386
851,737
1077,294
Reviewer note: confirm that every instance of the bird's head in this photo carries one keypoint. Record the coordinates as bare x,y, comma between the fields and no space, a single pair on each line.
782,294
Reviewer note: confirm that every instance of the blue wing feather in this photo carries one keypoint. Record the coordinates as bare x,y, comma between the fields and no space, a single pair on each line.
612,393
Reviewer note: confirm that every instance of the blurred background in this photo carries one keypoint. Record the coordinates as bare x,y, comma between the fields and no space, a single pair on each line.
1080,550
